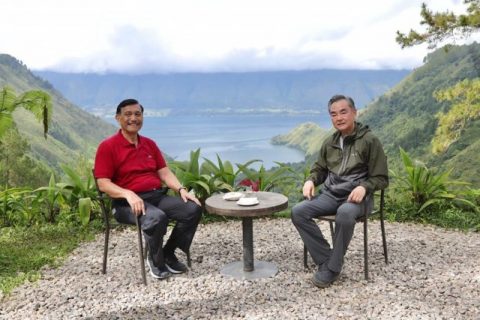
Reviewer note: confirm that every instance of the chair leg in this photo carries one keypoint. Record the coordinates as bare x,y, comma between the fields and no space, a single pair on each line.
332,232
305,257
365,245
384,240
105,249
140,251
189,259
145,250
382,225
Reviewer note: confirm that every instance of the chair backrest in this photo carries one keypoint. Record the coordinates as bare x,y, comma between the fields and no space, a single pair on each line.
103,199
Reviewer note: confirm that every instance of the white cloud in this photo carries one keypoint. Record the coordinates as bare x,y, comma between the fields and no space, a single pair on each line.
211,35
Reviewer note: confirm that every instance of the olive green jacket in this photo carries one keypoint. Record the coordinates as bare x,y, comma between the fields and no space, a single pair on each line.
362,162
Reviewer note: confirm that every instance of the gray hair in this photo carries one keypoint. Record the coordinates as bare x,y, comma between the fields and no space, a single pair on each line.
339,97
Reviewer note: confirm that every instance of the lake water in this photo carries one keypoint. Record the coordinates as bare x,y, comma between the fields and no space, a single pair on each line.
237,138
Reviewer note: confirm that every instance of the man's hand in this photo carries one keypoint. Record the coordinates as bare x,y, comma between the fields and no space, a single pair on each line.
185,195
357,194
136,203
308,189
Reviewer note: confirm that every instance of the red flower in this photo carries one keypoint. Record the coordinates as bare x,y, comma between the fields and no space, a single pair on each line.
255,185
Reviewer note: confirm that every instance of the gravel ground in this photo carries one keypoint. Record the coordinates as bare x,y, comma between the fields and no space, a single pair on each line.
433,274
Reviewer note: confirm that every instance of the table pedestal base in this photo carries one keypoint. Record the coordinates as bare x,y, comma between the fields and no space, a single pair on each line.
262,269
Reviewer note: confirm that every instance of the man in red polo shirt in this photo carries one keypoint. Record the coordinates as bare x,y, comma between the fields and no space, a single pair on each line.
131,169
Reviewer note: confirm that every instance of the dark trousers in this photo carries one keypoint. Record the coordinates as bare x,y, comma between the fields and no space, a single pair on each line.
159,210
345,214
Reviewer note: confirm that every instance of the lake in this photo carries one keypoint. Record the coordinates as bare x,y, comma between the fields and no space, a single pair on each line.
237,138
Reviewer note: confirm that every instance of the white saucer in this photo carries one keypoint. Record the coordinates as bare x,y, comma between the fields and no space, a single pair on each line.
233,196
247,201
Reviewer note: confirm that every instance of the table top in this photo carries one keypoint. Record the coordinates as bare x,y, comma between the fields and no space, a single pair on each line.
269,202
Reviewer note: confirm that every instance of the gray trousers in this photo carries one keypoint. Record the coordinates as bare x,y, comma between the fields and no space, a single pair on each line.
345,214
160,209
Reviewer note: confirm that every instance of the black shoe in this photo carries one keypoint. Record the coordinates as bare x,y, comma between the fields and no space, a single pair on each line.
157,272
323,266
173,265
324,278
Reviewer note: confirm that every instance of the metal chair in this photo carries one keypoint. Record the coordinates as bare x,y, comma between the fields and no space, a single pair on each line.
107,213
142,250
364,219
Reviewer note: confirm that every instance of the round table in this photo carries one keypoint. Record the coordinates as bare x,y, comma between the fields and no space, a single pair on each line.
269,202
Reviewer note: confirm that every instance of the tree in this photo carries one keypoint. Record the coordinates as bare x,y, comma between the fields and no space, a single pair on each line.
17,168
443,25
36,101
464,95
465,108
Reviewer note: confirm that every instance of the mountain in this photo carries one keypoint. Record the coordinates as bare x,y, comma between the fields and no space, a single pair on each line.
73,132
307,137
214,92
406,115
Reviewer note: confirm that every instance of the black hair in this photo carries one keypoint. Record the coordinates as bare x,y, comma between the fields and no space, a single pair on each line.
339,97
127,102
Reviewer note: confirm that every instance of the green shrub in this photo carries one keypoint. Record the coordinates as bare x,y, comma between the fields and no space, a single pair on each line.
425,186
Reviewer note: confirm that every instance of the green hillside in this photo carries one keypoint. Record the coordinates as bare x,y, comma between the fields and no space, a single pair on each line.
73,132
307,137
405,116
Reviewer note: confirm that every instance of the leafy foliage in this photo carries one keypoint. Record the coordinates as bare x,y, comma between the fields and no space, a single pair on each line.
263,180
223,170
49,199
37,102
425,187
82,190
17,168
443,25
14,207
203,180
465,108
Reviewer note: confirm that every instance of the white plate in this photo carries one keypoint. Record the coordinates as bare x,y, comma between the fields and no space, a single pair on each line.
233,196
248,201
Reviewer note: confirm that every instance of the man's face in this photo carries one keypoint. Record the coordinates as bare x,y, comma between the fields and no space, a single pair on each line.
343,117
130,118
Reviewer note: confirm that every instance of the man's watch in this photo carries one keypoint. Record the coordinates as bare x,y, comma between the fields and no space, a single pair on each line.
180,189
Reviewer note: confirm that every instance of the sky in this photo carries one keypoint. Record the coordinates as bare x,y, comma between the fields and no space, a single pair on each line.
157,36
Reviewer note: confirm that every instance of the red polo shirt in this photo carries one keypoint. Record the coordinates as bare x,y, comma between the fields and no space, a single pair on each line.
130,167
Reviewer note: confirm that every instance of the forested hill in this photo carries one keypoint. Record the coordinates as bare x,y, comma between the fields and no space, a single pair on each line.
406,115
213,92
72,131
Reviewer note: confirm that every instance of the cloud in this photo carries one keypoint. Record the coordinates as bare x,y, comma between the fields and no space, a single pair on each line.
212,35
130,49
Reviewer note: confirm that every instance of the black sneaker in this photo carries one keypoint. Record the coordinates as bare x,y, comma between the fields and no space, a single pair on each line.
156,272
173,265
324,278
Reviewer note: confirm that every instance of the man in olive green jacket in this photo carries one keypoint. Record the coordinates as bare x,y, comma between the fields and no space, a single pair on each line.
351,165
